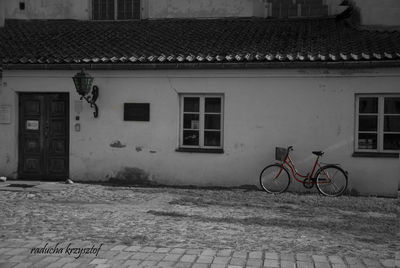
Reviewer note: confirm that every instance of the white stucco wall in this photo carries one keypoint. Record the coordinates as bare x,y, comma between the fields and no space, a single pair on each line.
310,109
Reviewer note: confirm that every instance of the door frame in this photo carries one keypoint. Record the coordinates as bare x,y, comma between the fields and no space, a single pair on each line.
19,136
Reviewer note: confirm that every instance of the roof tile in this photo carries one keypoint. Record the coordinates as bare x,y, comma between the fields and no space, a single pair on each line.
193,40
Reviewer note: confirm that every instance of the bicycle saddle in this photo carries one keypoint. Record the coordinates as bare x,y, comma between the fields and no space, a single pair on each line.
319,153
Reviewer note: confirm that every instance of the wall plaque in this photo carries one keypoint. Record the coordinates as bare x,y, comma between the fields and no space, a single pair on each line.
136,111
32,125
5,114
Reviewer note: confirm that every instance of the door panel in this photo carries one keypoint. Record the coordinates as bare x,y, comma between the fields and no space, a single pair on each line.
44,136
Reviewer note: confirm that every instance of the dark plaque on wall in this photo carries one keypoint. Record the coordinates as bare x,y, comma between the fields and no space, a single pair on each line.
136,111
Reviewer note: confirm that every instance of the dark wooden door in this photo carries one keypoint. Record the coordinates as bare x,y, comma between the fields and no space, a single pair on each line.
43,136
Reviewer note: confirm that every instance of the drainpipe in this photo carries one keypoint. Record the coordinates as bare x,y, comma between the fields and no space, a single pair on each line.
2,12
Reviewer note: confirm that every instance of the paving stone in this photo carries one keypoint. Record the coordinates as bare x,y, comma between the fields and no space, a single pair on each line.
217,265
358,265
239,254
271,255
209,252
288,264
352,260
193,251
221,260
178,251
17,251
303,264
172,257
17,259
22,265
98,261
370,262
71,265
155,257
103,265
336,260
271,263
7,264
148,249
124,255
319,258
133,263
224,252
288,256
166,264
322,265
388,262
238,261
183,265
133,248
188,258
119,247
140,256
200,265
254,262
255,255
163,250
205,259
150,264
303,257
338,265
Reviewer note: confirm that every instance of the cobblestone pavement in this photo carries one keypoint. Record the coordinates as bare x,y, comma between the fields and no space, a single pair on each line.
167,227
21,253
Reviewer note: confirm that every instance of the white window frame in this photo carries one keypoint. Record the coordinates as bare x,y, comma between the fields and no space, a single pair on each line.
381,121
115,9
202,113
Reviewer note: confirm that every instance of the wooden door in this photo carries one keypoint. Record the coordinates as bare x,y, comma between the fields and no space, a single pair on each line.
43,136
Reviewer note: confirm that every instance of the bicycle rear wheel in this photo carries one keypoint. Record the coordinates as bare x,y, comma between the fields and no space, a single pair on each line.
274,179
331,181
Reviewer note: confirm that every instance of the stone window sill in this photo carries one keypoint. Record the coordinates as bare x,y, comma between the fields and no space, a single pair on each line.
376,154
200,150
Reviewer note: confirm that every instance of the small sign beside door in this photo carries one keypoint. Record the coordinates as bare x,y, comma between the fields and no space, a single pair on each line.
5,114
32,125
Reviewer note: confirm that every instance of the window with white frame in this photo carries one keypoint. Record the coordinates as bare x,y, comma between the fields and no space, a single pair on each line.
201,121
115,9
378,123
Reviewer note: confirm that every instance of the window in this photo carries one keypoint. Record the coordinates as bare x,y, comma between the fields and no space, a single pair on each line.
115,9
378,123
201,121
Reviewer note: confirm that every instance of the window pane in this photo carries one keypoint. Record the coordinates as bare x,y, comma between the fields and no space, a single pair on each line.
212,121
368,105
392,105
191,104
190,137
191,121
212,138
368,123
391,142
367,141
392,123
213,105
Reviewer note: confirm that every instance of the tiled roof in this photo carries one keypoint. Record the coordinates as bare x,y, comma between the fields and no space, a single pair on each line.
192,41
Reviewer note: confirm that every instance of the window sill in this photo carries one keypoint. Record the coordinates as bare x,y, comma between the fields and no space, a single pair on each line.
200,150
376,154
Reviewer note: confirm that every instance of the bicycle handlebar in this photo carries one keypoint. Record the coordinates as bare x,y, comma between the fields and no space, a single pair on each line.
290,148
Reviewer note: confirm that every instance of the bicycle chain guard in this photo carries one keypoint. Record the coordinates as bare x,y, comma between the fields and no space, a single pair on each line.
308,183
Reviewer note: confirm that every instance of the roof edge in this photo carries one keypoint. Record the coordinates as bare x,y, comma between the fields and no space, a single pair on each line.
188,66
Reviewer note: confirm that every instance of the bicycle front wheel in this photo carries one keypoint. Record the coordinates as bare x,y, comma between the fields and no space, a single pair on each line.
331,181
274,179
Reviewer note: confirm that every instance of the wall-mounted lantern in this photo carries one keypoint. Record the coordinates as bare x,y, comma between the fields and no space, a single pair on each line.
83,84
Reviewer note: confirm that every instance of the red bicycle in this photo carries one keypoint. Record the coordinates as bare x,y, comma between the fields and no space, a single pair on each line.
330,179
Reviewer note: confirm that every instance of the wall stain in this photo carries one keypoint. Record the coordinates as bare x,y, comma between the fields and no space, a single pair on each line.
153,152
131,176
139,148
117,144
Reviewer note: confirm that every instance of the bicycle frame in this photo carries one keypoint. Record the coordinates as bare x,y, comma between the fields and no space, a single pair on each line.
289,162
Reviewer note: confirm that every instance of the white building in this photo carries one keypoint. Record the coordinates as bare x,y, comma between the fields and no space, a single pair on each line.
196,101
